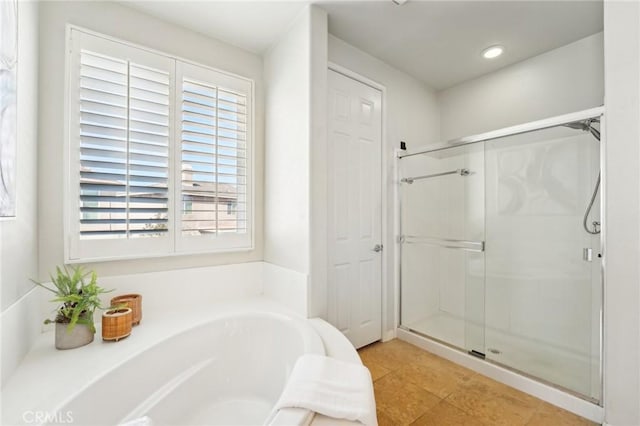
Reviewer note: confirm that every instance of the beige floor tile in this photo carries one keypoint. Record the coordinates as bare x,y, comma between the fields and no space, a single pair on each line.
439,382
369,348
493,404
402,402
367,355
410,383
548,414
390,355
377,371
505,390
445,414
434,361
383,419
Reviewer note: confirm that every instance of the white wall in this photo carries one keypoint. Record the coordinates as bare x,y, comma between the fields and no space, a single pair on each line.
560,81
197,287
318,290
295,71
411,113
287,158
296,162
19,236
622,220
411,106
128,24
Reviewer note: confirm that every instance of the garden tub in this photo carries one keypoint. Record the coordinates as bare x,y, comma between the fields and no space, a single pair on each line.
229,371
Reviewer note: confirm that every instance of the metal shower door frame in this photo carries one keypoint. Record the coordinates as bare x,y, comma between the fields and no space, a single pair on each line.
598,112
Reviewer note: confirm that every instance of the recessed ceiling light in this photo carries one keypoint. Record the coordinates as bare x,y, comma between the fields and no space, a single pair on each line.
399,2
492,52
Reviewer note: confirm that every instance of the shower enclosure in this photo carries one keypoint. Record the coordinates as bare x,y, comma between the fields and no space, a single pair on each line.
495,259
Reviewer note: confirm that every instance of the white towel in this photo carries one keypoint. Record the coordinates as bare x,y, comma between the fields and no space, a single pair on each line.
328,386
142,421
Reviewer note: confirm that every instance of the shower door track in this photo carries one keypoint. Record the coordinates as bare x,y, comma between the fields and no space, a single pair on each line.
510,131
499,364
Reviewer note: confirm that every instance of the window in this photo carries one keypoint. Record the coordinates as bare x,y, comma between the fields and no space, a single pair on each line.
231,207
158,150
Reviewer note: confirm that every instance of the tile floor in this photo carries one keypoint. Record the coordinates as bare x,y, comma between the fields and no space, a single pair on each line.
415,387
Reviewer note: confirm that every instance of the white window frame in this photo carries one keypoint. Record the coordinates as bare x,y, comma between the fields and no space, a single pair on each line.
79,250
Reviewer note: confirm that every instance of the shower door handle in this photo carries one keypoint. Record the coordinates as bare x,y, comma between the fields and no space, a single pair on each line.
474,246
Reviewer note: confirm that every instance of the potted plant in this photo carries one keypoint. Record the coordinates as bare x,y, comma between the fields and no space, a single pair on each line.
79,294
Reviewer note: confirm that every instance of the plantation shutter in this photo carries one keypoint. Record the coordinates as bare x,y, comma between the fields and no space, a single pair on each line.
214,131
124,148
159,154
148,152
103,146
121,121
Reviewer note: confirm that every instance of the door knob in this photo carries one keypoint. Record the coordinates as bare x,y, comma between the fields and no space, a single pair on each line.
377,248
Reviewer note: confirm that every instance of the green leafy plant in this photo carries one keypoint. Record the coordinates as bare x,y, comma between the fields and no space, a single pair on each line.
78,291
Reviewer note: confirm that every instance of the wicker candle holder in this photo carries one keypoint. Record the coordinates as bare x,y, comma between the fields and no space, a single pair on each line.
133,301
116,324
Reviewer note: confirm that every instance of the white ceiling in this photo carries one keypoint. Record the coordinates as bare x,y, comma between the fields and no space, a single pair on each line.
251,25
438,42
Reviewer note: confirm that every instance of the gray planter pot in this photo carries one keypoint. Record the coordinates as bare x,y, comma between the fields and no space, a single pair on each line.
80,335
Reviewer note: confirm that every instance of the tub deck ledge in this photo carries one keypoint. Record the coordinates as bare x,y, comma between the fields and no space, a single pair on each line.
48,378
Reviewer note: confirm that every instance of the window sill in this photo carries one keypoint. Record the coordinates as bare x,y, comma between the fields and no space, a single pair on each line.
159,255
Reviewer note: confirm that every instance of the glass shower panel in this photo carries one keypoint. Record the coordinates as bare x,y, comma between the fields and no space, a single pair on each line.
442,243
543,294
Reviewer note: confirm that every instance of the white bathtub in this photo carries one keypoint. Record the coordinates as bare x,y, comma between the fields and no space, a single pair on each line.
229,371
226,364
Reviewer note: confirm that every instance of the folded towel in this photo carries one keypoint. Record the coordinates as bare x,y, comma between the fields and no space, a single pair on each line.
142,421
328,386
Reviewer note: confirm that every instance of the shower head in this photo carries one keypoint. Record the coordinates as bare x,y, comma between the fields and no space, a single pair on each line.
585,125
578,125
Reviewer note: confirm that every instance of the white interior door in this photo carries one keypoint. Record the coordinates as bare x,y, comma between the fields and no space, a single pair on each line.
355,209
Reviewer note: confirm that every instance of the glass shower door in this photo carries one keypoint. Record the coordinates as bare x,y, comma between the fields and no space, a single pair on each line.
543,292
442,246
495,259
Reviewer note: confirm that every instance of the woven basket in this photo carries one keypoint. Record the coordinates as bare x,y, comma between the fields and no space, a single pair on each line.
133,301
116,324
